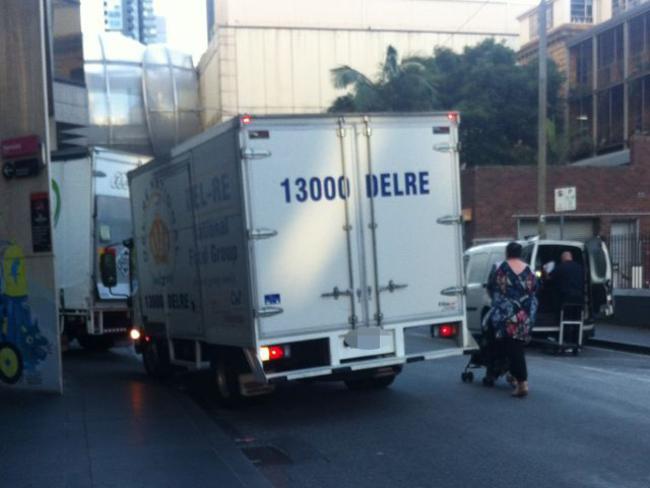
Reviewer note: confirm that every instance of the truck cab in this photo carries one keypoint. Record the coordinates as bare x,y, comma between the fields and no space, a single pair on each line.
593,255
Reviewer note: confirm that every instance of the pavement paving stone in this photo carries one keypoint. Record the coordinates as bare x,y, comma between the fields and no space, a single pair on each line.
114,427
623,334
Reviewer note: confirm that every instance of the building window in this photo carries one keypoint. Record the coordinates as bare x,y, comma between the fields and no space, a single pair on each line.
610,120
639,106
582,12
610,57
581,65
533,21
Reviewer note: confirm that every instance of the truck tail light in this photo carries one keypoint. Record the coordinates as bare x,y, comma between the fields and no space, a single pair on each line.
272,353
446,330
454,117
246,119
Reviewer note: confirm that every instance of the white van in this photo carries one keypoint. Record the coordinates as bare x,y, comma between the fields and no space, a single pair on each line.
593,255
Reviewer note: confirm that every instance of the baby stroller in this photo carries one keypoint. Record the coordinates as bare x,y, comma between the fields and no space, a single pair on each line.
491,355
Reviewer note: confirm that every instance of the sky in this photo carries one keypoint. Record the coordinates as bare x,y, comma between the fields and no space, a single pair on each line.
186,25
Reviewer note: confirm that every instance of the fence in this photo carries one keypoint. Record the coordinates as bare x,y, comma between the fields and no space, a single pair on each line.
630,256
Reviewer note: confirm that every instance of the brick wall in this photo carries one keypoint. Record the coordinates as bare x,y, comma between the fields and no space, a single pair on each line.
496,194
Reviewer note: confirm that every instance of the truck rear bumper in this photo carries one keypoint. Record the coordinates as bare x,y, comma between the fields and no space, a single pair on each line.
334,370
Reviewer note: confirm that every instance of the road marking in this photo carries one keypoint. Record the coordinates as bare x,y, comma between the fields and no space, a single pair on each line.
643,379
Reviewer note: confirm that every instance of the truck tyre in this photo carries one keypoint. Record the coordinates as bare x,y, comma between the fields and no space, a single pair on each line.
95,343
155,357
226,375
370,383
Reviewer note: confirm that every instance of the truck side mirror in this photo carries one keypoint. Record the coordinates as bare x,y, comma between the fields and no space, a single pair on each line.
108,268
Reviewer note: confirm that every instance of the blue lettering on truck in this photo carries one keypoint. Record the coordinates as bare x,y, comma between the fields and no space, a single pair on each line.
330,188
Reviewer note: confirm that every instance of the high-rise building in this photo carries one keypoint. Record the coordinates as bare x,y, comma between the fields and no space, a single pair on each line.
133,18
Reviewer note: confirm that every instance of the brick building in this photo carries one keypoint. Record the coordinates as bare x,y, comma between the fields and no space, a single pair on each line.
613,201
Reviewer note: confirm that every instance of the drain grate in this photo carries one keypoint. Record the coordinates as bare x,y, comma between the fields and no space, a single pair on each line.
266,456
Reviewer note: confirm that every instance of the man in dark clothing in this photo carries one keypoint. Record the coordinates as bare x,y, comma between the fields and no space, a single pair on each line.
569,280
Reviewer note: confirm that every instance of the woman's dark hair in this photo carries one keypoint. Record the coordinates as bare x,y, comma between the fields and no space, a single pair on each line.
513,250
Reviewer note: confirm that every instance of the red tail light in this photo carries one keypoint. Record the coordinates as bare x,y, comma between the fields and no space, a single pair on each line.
271,353
447,330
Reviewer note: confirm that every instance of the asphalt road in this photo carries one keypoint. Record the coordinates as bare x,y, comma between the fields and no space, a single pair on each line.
586,423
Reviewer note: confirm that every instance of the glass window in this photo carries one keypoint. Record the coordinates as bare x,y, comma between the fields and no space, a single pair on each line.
478,268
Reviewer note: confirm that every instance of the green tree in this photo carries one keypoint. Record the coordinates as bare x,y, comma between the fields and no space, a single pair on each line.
497,98
401,87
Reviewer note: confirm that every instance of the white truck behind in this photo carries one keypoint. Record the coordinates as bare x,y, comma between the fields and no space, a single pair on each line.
282,248
92,215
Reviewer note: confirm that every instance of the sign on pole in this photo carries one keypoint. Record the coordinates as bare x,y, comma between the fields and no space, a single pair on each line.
565,199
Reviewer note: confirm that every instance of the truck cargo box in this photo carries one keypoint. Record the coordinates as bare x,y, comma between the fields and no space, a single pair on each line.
316,245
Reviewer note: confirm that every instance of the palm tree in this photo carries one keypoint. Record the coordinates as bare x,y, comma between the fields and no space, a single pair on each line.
402,86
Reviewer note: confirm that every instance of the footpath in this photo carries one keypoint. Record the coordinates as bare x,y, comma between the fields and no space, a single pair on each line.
622,338
115,427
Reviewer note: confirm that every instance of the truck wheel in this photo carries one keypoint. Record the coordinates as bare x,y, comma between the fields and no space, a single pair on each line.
155,357
11,363
370,383
95,343
226,375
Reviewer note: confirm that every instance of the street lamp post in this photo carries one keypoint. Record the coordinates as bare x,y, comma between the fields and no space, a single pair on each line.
541,124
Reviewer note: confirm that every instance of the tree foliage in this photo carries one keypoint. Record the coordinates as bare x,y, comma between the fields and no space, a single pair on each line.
497,98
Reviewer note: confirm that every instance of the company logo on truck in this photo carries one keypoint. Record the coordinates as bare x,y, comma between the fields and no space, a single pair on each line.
158,238
159,241
382,185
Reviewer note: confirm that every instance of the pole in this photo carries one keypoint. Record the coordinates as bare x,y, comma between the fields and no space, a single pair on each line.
541,124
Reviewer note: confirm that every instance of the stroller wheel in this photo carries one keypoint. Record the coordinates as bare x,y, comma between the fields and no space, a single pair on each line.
488,381
467,377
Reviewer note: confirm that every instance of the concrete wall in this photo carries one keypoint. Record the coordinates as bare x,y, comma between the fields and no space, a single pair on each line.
27,283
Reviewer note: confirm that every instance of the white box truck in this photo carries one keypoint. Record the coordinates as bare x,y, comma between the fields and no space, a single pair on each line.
290,247
92,215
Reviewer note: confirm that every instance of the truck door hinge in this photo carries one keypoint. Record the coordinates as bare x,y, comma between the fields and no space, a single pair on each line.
453,290
450,220
250,153
446,147
269,311
262,233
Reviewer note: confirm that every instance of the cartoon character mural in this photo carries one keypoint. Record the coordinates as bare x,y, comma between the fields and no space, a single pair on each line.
22,346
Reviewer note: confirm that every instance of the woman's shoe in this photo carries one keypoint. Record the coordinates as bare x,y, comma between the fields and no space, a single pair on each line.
521,390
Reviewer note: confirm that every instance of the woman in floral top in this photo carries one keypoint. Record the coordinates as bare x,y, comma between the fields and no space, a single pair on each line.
512,286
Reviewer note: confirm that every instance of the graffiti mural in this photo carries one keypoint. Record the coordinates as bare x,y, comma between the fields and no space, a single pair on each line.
22,345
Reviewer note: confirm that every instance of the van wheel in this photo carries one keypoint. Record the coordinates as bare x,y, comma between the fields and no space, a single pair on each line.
155,357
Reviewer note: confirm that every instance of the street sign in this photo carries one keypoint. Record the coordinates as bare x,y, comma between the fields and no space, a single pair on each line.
565,199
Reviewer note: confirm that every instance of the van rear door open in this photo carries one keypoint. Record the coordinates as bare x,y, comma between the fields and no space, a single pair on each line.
599,273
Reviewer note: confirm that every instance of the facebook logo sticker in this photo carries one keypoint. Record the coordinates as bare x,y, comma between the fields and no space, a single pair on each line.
273,299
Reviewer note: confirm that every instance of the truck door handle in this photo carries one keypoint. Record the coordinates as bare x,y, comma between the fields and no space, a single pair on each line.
392,286
452,291
269,311
336,293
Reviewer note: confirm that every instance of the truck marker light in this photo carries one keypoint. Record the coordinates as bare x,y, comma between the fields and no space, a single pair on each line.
453,117
135,334
270,353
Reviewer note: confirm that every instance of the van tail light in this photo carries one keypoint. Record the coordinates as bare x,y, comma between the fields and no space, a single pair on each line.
446,331
273,353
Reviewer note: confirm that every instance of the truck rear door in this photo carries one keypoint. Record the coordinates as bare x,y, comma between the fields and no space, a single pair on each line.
299,218
412,216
